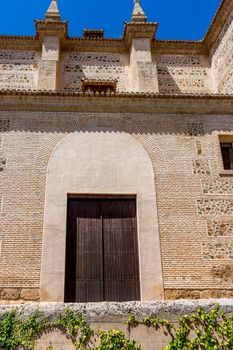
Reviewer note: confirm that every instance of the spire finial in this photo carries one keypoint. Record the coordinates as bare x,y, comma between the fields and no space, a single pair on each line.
53,13
138,13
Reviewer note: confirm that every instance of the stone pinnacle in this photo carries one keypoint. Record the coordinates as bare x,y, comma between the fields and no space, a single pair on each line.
53,13
138,13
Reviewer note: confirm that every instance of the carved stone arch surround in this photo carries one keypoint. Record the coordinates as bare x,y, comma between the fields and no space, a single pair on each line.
107,147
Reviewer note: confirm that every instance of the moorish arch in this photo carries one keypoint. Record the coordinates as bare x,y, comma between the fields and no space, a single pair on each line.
100,163
61,125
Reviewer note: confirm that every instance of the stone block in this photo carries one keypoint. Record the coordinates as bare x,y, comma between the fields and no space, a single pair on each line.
56,340
30,294
10,294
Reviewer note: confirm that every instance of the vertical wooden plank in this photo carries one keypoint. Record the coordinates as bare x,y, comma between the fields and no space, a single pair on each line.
89,263
121,265
70,272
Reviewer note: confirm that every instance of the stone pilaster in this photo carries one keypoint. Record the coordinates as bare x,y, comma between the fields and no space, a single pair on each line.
48,74
51,33
138,36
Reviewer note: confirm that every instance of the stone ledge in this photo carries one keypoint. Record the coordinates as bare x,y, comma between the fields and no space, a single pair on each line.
117,312
115,102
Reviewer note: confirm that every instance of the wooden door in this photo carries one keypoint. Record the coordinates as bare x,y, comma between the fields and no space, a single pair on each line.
102,250
121,270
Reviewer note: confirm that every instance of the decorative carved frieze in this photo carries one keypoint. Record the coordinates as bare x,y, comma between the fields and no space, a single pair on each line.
4,125
183,74
93,66
18,69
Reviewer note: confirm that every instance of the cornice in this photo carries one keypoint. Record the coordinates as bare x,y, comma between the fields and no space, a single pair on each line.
137,30
47,27
54,101
94,44
8,42
217,24
178,47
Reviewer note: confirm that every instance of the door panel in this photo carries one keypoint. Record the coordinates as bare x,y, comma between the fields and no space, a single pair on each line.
71,239
121,272
89,262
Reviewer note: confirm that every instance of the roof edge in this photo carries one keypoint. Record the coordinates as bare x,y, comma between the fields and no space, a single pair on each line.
203,46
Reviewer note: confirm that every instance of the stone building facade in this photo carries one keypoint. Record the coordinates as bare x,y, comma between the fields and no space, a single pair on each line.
134,116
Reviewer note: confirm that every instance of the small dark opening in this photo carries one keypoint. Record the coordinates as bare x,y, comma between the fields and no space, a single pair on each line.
227,155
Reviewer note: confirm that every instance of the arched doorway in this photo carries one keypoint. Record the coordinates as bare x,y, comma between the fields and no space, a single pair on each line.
99,163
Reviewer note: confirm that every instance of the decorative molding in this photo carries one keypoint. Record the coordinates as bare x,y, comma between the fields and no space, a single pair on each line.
115,102
217,24
138,30
47,27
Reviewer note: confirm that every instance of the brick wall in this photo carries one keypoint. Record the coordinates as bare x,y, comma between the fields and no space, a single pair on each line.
194,201
222,60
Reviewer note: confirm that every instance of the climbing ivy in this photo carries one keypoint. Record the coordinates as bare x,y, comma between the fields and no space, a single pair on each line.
202,330
115,340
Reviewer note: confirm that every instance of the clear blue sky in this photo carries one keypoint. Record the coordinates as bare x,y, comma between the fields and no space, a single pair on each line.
178,19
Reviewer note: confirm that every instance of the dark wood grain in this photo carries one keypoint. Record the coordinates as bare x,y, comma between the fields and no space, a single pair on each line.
102,250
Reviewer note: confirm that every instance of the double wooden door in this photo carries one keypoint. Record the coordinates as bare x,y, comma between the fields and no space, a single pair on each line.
102,250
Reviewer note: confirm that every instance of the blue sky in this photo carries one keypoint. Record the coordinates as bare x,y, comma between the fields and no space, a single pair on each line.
180,19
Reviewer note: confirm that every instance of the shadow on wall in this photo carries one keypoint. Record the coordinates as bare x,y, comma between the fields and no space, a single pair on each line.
166,81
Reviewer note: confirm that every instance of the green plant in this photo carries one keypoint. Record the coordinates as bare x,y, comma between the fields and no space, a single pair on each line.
202,330
76,328
16,331
9,329
116,340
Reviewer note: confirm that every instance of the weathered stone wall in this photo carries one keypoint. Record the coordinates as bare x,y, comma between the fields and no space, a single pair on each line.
175,73
19,69
184,74
106,316
222,60
194,199
94,65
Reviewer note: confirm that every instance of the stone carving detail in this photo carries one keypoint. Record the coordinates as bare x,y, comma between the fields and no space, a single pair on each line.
2,163
220,228
201,167
98,66
195,128
215,186
222,59
4,125
17,56
199,147
215,206
18,70
223,273
216,250
183,74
